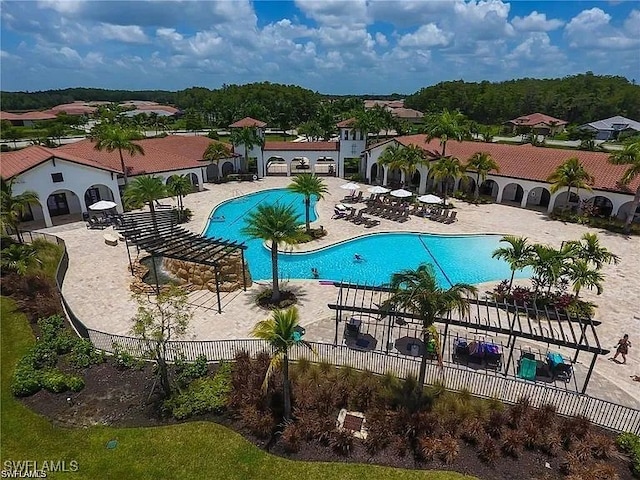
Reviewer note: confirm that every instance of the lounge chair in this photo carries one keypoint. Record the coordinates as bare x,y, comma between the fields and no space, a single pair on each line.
451,218
350,215
369,223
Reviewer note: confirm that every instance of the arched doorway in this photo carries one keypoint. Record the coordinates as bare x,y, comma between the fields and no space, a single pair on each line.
564,202
538,197
623,212
373,175
63,203
213,172
325,166
598,206
394,178
467,185
277,166
195,181
489,188
300,165
415,180
97,192
512,193
227,169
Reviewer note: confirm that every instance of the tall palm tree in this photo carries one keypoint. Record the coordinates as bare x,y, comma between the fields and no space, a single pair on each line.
446,125
392,157
589,249
247,137
179,186
517,254
146,189
482,163
215,152
548,264
277,224
413,156
417,291
630,156
115,137
571,174
19,258
444,170
281,333
13,207
308,184
581,274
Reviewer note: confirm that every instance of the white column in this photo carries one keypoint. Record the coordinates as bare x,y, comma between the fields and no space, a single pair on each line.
340,165
525,197
200,180
422,189
384,175
500,192
47,217
552,201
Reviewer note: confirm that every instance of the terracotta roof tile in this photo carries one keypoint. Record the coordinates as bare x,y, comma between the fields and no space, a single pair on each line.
346,123
536,119
248,122
19,161
531,163
302,146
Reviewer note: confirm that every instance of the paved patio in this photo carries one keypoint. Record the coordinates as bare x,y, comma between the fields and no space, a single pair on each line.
97,283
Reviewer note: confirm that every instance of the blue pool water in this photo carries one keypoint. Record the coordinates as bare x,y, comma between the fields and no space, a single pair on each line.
456,258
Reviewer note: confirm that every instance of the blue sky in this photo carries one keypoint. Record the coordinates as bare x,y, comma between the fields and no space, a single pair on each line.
332,46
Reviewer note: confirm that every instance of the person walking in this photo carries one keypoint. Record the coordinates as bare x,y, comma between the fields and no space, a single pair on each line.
622,348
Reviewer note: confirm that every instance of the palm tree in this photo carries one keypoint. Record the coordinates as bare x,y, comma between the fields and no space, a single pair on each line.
217,151
116,137
517,254
247,137
413,156
570,174
392,157
146,189
281,332
588,248
19,258
417,291
630,156
179,186
446,125
279,225
308,184
13,207
581,274
482,163
444,170
548,264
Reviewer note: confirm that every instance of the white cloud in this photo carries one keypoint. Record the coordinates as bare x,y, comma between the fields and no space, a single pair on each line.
381,39
536,22
335,12
122,33
169,34
426,36
62,6
592,29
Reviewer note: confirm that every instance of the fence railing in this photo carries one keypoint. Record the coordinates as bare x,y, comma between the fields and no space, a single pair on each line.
509,390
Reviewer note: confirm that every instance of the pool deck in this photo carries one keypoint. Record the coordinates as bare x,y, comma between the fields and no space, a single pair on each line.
97,282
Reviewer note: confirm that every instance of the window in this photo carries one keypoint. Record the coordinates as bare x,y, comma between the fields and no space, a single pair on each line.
57,177
346,134
354,149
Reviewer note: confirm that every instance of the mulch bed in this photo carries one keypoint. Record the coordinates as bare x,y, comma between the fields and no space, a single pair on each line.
121,398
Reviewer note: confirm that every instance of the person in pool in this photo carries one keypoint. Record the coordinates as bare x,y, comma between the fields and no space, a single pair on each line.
315,273
358,258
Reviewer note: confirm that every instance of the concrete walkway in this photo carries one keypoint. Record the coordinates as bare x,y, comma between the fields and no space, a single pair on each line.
97,283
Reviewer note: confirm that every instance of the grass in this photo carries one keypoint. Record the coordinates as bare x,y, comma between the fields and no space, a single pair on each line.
189,450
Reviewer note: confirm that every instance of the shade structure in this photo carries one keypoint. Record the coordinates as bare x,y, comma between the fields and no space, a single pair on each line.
430,199
377,190
103,205
350,186
401,193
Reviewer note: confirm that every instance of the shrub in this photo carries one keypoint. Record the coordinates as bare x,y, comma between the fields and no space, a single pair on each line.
42,355
603,471
123,359
258,422
54,380
84,354
203,395
341,441
630,444
551,443
602,446
50,327
495,424
429,447
570,465
75,383
400,444
187,372
489,450
291,437
473,431
511,443
26,380
449,449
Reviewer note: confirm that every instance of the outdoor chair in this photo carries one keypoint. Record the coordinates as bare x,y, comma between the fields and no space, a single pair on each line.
451,218
560,369
369,223
352,328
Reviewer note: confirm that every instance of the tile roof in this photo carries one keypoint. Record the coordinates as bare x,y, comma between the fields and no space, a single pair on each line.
248,122
532,163
302,146
346,123
75,108
19,161
406,113
46,115
536,119
173,152
9,116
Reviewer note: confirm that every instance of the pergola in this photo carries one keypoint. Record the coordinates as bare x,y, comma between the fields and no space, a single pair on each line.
160,236
528,323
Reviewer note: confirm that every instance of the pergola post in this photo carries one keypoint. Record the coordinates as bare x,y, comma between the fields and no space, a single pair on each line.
244,275
215,269
126,242
506,368
588,377
583,328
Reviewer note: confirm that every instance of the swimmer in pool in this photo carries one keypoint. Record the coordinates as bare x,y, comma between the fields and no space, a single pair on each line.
315,273
358,258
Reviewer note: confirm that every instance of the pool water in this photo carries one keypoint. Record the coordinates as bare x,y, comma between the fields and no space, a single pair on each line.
455,258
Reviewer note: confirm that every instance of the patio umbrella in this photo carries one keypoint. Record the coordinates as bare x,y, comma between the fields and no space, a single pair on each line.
377,190
103,205
350,186
401,193
429,199
410,346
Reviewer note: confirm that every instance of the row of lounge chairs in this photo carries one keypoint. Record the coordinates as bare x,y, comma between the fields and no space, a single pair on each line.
355,216
353,198
389,212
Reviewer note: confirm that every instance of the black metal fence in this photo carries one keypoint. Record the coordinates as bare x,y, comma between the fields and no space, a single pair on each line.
568,403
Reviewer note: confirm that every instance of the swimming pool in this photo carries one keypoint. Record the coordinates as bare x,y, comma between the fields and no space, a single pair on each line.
456,258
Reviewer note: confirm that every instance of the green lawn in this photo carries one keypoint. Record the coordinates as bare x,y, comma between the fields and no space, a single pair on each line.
190,450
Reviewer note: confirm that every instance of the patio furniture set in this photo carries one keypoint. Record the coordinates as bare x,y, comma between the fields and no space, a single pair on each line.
553,367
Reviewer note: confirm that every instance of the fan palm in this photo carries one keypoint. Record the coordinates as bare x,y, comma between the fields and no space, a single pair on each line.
444,170
145,189
571,174
19,258
277,224
417,291
629,156
13,207
517,254
247,137
581,274
588,248
281,333
482,163
179,186
446,125
115,137
308,184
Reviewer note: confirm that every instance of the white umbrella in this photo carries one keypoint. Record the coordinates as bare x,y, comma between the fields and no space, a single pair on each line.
402,193
377,190
103,205
350,186
430,199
